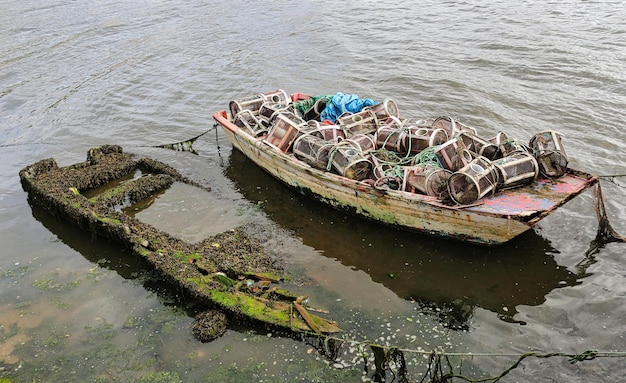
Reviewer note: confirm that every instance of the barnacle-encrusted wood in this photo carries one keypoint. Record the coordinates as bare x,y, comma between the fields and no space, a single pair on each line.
230,271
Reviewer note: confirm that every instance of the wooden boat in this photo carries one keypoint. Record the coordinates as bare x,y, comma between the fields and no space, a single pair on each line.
230,270
494,219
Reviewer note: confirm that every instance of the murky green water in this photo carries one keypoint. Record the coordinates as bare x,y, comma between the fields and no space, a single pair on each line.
78,74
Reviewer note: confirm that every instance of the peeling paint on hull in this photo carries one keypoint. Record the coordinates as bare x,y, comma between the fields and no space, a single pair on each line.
495,220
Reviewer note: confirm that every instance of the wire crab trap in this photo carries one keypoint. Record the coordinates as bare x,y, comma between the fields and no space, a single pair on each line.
480,146
517,169
499,139
452,154
284,129
472,182
420,138
314,112
508,146
427,179
269,109
382,111
313,150
452,126
391,136
364,142
349,162
277,96
363,122
549,152
251,103
329,133
388,168
248,120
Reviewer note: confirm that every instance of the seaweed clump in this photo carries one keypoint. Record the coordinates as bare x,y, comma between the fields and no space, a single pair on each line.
209,325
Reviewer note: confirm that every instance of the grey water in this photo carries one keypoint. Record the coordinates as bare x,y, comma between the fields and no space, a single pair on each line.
74,75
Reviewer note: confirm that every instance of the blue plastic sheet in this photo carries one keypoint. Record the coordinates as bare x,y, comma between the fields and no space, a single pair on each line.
341,103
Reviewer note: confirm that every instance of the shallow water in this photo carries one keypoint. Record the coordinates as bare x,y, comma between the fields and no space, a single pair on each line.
79,74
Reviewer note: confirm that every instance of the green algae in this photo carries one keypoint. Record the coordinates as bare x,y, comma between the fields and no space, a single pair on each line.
230,269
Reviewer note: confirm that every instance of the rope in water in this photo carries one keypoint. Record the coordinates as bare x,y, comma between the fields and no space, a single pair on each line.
391,358
615,178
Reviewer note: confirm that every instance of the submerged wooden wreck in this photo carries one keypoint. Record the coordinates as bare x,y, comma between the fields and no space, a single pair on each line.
230,271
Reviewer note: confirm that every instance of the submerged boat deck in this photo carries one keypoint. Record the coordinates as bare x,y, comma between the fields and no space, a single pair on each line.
230,271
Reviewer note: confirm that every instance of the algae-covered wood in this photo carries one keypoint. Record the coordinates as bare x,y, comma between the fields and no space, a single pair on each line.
230,270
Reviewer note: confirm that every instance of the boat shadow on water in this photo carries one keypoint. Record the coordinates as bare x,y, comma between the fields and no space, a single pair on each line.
448,278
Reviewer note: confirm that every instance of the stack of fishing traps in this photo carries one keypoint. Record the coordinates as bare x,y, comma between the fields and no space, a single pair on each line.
442,157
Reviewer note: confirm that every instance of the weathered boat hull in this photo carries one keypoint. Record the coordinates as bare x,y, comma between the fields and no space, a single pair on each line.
229,270
495,220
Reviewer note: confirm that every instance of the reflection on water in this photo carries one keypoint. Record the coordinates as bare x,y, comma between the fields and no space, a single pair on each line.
114,256
107,254
451,276
187,212
156,330
74,75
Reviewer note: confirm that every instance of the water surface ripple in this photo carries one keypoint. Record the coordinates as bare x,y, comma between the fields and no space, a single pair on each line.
78,74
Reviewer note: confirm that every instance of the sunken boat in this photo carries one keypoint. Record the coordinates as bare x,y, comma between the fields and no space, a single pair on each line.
435,176
229,273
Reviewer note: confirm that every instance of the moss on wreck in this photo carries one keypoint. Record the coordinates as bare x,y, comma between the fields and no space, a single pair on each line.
109,220
252,307
187,257
216,270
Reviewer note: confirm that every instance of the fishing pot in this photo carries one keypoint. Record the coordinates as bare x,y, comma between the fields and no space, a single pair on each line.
518,169
349,162
391,137
309,127
472,182
549,153
452,127
277,96
480,146
313,150
284,128
452,154
507,146
499,139
269,109
427,179
363,142
382,111
386,163
251,103
363,122
329,133
418,139
247,120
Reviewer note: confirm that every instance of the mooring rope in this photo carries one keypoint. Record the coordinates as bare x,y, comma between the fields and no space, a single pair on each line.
392,359
182,146
605,230
185,145
614,178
